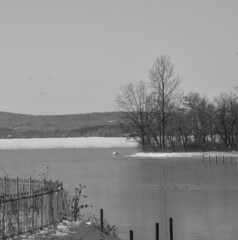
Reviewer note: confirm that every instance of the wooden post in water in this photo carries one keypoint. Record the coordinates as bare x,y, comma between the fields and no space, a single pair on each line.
131,235
171,228
216,158
101,218
223,159
230,159
157,231
209,158
203,158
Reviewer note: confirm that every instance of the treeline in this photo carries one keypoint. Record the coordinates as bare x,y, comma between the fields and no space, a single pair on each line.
99,131
160,117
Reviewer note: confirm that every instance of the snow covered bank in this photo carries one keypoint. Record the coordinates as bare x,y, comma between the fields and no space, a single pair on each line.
184,154
90,142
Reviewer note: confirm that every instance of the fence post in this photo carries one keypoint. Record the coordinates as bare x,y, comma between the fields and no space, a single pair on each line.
42,207
51,204
4,208
3,220
30,187
44,198
171,228
70,207
32,204
157,231
61,198
17,186
57,198
31,192
25,203
44,183
18,206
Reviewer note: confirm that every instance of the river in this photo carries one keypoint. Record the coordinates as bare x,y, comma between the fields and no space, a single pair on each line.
135,193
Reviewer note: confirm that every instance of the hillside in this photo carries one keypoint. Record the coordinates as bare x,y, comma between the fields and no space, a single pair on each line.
14,125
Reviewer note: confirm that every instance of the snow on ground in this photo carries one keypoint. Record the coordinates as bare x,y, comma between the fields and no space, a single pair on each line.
63,229
184,154
90,142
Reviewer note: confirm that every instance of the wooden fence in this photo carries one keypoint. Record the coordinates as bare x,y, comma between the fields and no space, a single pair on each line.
28,205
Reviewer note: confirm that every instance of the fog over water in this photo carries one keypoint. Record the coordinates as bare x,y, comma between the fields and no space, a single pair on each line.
77,142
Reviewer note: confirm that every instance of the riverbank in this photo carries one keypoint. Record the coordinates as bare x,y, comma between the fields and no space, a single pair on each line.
184,154
80,230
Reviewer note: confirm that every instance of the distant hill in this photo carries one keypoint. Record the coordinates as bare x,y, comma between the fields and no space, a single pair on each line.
106,124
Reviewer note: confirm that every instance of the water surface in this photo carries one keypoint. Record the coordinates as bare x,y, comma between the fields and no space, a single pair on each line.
136,193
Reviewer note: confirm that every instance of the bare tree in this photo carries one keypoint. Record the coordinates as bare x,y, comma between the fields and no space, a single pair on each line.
134,102
226,121
165,89
202,112
183,126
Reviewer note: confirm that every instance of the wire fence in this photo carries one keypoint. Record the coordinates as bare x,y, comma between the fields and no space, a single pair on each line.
27,205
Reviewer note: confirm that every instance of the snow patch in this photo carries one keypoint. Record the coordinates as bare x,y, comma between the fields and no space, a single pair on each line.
63,229
111,121
183,154
58,234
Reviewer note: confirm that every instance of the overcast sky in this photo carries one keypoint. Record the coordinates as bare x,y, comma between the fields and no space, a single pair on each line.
66,57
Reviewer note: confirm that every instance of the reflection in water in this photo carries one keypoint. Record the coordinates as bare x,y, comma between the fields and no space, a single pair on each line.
201,197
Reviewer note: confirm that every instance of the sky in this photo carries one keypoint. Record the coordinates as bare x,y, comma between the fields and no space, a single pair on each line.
73,56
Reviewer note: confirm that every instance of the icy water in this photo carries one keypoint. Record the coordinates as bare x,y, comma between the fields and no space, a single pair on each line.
201,198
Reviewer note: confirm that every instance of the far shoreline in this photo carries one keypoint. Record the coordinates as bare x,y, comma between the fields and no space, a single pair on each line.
184,154
102,142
